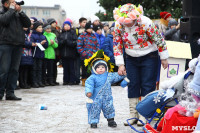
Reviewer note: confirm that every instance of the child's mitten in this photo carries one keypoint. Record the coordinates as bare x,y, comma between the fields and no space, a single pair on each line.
88,100
125,82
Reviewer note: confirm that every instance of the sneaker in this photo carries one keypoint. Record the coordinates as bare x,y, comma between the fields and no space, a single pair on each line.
13,97
111,122
93,125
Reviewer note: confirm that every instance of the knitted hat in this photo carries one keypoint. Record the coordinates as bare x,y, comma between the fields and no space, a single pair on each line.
165,15
94,18
37,24
51,20
127,13
88,25
68,19
98,63
34,19
46,26
172,22
67,22
106,24
3,1
95,28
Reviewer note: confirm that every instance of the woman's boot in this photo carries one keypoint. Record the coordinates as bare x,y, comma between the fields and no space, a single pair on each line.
133,112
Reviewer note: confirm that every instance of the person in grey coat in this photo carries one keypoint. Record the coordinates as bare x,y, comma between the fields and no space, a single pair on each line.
173,31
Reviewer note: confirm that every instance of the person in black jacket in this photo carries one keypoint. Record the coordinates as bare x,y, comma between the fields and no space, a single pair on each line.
12,38
67,45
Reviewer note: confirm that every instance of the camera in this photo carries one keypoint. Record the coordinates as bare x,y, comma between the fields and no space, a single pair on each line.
20,3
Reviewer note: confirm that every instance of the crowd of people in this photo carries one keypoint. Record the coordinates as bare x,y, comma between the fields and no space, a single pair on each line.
133,43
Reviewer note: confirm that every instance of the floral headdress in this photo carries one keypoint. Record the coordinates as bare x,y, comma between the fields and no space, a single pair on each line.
99,55
127,13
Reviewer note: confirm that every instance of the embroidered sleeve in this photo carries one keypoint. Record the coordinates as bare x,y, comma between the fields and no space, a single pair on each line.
154,35
118,45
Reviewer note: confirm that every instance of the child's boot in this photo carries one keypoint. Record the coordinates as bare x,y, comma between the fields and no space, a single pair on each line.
94,125
111,122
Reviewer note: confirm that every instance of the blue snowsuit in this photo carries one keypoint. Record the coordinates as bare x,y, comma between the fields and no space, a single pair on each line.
100,87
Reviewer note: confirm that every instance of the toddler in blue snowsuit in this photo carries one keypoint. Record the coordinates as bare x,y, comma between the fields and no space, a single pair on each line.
98,89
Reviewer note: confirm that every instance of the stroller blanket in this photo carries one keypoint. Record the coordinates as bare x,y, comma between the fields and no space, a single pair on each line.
151,103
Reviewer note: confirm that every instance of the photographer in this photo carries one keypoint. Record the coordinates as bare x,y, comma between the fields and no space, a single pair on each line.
12,38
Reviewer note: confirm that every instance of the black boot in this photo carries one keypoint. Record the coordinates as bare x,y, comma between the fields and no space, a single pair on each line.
54,80
35,85
17,88
26,86
51,82
1,97
41,84
94,125
46,83
12,97
111,122
21,77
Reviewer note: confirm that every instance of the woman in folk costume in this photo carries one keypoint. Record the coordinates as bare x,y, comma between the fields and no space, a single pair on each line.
163,24
98,89
142,42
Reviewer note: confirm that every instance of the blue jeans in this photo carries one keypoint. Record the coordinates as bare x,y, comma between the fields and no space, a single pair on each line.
142,72
10,57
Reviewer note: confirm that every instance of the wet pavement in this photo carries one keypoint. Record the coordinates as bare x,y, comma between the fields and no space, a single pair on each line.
66,111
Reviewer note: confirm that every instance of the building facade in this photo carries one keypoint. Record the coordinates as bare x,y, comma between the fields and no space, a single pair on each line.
43,13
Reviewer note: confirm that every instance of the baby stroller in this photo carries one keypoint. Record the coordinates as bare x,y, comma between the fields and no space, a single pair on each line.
154,104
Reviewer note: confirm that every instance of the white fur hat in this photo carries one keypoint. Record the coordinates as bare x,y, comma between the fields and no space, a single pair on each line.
93,18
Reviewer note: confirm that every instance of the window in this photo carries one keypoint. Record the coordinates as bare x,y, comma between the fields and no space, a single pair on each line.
34,12
46,12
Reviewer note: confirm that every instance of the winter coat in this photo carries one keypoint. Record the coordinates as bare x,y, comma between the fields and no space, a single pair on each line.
50,52
57,33
108,47
11,27
172,34
87,45
67,44
101,39
37,37
100,87
27,55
